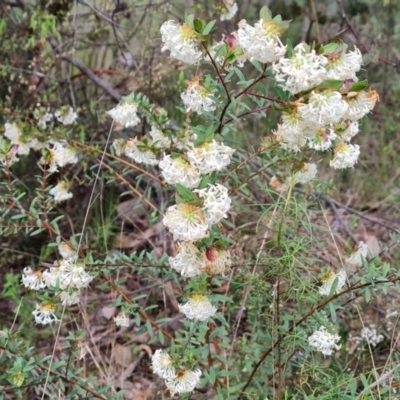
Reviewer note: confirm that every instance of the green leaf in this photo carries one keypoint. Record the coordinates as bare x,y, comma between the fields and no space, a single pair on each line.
367,295
190,21
240,75
330,84
282,94
204,181
208,27
265,14
290,49
198,25
222,51
333,287
358,86
257,66
186,194
181,80
333,312
330,47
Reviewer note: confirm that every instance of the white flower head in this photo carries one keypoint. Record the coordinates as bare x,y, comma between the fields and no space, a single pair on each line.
140,154
198,308
279,186
69,297
43,116
66,115
210,156
231,10
218,261
189,261
347,131
323,140
59,155
324,342
197,98
360,104
72,274
323,108
342,66
370,334
345,156
51,276
159,140
122,320
261,42
181,41
355,260
184,139
293,133
60,192
125,113
119,146
45,313
162,365
216,204
178,170
184,381
66,250
24,143
33,280
186,222
307,173
83,348
303,71
328,281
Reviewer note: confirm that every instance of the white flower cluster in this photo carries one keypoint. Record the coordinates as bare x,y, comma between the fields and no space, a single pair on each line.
45,313
210,157
198,308
307,173
190,261
216,204
368,334
61,192
181,41
125,113
301,72
324,117
231,10
188,222
59,155
65,115
179,170
356,259
122,320
324,342
181,381
328,281
67,275
261,42
197,98
24,143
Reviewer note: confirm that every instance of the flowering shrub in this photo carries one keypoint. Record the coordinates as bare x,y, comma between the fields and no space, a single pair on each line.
294,311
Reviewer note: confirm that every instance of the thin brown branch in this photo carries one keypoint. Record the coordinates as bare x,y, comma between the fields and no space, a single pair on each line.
88,72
